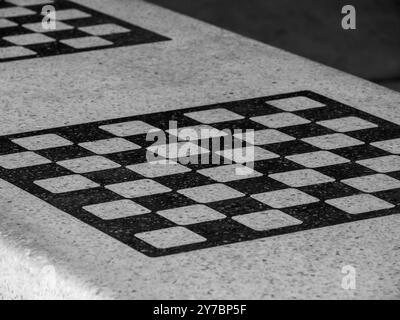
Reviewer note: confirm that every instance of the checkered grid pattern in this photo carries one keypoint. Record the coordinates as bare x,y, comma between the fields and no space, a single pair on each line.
325,174
78,28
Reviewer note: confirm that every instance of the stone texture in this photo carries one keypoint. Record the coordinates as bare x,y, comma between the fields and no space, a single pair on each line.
202,65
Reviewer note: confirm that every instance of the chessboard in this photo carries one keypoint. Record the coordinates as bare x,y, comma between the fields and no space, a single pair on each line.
317,163
77,29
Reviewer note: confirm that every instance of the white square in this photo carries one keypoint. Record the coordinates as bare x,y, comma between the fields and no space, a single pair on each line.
104,29
267,220
301,178
38,27
280,120
86,42
211,193
197,133
317,159
129,128
88,164
15,12
23,3
15,52
4,23
359,203
178,150
138,188
70,14
373,183
43,141
333,141
159,168
229,173
69,183
247,154
27,39
196,213
392,146
347,124
267,136
284,198
214,115
382,164
21,160
116,209
296,104
107,146
170,237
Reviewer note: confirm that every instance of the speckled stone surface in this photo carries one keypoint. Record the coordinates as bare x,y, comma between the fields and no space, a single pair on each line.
46,253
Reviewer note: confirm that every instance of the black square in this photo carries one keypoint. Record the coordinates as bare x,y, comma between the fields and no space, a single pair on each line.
234,207
111,176
223,231
346,171
44,171
65,153
128,157
289,148
329,190
66,34
360,152
253,108
244,124
164,201
319,214
392,196
184,180
75,200
276,165
306,130
6,147
256,185
323,113
376,134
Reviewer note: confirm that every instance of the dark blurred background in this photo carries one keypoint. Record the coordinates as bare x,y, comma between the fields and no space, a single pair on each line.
312,28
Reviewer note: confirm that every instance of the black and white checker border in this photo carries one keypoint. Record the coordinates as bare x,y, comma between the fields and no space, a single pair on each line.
79,29
313,171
